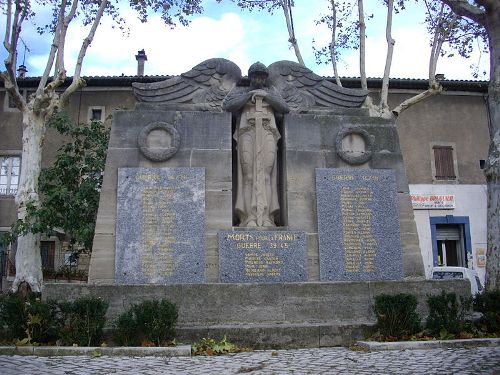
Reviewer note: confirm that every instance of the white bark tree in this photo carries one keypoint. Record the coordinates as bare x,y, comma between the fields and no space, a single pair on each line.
486,13
51,96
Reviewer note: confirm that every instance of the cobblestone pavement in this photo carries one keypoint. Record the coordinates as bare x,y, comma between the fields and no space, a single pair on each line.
480,360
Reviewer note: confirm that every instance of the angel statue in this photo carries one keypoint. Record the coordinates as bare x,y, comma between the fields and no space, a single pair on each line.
257,137
202,88
217,85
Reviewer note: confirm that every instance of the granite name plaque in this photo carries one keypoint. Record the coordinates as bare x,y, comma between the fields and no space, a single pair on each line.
262,256
160,226
358,225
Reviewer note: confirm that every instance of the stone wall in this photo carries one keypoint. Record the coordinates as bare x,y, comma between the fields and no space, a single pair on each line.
266,315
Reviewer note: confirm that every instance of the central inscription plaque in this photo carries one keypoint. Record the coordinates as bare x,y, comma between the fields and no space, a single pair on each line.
358,225
160,227
262,256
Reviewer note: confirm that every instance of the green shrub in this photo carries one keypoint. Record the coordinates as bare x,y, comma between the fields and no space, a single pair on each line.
488,304
44,321
29,322
447,314
396,315
125,333
152,321
84,321
12,317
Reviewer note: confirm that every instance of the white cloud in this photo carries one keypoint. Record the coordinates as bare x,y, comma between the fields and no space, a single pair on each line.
410,58
243,38
169,51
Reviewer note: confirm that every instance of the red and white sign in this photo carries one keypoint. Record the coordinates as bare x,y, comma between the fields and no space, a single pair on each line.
432,202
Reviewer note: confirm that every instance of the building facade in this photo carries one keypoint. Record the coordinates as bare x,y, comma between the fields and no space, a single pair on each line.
444,141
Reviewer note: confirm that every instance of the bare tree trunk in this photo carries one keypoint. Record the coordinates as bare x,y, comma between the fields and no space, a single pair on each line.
388,61
333,54
287,9
362,45
492,170
28,260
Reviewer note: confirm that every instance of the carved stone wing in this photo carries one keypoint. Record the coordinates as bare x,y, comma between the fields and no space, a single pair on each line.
303,89
207,83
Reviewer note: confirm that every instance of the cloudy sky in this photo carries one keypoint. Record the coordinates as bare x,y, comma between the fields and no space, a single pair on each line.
243,37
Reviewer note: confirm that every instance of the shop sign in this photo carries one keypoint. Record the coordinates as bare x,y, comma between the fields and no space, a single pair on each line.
432,202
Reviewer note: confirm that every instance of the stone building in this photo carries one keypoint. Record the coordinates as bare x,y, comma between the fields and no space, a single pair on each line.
443,141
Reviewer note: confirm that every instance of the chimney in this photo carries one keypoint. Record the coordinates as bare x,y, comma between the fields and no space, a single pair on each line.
440,77
141,58
22,71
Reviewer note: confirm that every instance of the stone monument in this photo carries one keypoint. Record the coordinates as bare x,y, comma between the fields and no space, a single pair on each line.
262,142
245,199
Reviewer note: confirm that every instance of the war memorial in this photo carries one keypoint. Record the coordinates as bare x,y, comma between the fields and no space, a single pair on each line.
270,208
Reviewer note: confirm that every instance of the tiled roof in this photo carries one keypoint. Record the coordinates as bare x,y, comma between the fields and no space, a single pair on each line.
352,82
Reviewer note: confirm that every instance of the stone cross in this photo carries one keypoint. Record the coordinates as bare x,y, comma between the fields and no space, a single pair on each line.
259,116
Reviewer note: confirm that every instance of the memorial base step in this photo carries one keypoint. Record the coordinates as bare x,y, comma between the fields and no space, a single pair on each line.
280,336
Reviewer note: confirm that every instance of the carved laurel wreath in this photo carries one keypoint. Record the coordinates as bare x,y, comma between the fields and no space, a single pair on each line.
347,156
160,154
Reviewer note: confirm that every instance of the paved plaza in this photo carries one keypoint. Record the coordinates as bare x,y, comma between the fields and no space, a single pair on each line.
479,360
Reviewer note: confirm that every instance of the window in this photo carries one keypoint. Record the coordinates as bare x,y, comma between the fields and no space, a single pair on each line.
9,105
47,251
444,165
96,114
451,241
10,167
443,162
70,259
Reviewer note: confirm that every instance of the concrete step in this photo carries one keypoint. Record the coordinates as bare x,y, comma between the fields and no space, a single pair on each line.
280,336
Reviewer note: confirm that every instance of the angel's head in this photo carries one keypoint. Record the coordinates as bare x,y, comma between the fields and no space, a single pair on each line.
258,73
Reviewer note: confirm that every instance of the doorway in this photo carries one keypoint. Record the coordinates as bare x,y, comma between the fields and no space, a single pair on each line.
451,242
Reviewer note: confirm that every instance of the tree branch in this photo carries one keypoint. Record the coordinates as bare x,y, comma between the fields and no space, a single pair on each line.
291,34
62,40
332,43
434,86
13,28
464,9
431,91
388,61
77,82
13,91
8,25
10,62
362,45
53,50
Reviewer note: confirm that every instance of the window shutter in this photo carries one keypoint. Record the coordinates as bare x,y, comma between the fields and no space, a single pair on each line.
447,232
443,162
